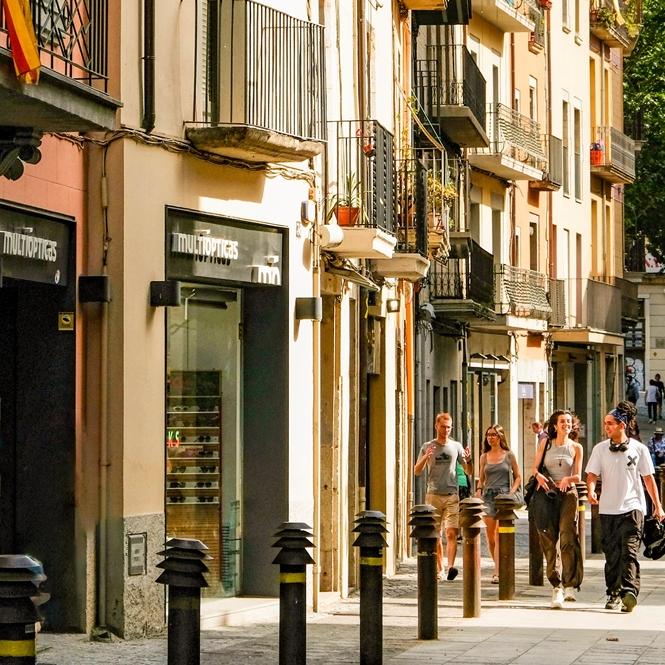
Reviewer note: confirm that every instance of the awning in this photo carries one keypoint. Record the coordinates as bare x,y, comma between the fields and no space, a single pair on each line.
488,362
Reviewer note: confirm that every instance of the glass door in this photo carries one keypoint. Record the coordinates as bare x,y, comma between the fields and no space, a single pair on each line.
203,428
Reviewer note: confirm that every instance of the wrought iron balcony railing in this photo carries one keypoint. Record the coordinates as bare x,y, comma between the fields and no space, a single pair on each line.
362,177
631,309
521,292
557,300
612,155
616,22
553,175
469,277
514,135
72,36
264,69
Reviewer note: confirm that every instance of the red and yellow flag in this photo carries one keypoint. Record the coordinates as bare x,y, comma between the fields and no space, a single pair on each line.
25,52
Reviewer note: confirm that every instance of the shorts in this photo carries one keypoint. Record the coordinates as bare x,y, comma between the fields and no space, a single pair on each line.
488,499
447,509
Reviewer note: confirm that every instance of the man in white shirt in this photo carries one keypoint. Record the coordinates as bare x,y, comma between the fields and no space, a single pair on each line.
622,464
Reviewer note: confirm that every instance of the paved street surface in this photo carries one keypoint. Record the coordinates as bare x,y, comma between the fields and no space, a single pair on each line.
523,631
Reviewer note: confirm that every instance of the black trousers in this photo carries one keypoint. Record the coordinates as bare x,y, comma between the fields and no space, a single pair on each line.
621,536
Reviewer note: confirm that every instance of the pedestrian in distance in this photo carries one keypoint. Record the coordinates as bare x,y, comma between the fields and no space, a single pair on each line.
538,429
499,473
659,396
651,398
656,446
440,456
623,464
632,390
554,507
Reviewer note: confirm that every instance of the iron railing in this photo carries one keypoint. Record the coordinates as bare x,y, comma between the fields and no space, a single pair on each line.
537,37
449,76
72,36
521,292
264,69
459,178
616,22
630,303
514,135
613,149
554,151
466,278
362,173
557,300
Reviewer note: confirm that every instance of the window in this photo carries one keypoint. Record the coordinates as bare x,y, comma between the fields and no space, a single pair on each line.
577,129
533,241
517,101
533,98
566,151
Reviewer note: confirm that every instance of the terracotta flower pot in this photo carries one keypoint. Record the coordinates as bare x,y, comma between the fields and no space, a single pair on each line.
346,215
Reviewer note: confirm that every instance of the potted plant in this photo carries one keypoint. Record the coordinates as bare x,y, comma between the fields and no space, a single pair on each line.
596,154
346,203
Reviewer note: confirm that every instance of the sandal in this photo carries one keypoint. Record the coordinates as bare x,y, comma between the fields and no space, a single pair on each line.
495,579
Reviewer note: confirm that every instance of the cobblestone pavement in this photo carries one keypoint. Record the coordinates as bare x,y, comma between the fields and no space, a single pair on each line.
521,631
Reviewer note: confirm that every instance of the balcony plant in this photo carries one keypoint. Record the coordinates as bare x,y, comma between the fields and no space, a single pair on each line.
596,154
346,203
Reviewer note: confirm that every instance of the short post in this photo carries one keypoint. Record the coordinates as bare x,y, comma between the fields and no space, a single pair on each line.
661,488
535,555
423,520
596,538
471,513
293,538
505,515
370,525
20,594
582,495
183,574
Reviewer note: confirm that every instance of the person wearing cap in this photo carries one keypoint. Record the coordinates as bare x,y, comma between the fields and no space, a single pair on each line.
623,464
656,446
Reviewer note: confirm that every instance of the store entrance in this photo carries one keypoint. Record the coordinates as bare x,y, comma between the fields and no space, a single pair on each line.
37,441
203,420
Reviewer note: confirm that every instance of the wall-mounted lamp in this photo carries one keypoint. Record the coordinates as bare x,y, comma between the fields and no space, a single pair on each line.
165,294
392,305
307,212
309,309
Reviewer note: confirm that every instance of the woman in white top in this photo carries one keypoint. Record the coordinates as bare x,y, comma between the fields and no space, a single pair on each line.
651,398
554,507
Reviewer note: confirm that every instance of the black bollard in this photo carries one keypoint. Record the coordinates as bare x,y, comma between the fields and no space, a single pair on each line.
661,486
293,538
21,579
596,538
183,574
535,555
582,495
423,520
370,525
470,519
505,515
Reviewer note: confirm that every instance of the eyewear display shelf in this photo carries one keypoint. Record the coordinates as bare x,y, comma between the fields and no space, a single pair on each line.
193,464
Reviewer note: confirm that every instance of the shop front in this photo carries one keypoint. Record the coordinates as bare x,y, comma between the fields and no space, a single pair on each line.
225,426
37,398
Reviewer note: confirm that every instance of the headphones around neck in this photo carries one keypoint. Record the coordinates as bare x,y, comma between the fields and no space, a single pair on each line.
619,447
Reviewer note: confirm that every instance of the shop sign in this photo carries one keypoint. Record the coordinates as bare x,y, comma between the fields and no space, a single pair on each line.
33,248
235,251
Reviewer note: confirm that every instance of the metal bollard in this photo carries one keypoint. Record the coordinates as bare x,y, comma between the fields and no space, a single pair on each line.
535,555
370,525
661,488
21,579
596,538
183,574
471,513
423,521
505,515
293,538
582,495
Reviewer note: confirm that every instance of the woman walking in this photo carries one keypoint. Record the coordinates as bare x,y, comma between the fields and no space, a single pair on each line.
499,474
554,507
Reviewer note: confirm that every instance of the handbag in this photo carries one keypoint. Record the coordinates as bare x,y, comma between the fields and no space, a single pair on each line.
531,485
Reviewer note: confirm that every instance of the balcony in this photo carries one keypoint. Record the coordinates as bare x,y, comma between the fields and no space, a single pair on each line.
615,22
265,85
515,150
362,188
631,310
72,94
456,12
557,300
421,215
553,174
463,287
612,155
451,90
521,293
507,15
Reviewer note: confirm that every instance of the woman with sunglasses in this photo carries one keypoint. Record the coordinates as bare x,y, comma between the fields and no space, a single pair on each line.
554,507
499,474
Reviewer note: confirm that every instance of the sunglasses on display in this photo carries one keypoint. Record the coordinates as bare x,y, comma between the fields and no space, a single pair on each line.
207,469
177,499
204,483
179,469
204,499
176,483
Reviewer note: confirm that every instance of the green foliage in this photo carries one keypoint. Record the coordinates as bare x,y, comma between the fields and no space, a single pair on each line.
644,88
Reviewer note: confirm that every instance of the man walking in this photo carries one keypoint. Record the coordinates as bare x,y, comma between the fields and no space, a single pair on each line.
440,456
622,464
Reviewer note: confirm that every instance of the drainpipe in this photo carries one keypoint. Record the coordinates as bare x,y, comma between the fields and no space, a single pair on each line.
465,401
148,121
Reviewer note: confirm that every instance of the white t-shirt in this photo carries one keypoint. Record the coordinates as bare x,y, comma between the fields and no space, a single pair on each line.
621,474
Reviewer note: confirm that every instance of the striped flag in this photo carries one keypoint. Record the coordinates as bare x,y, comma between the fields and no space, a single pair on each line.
25,52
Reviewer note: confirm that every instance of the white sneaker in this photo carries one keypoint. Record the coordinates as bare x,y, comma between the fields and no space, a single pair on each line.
569,594
557,598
